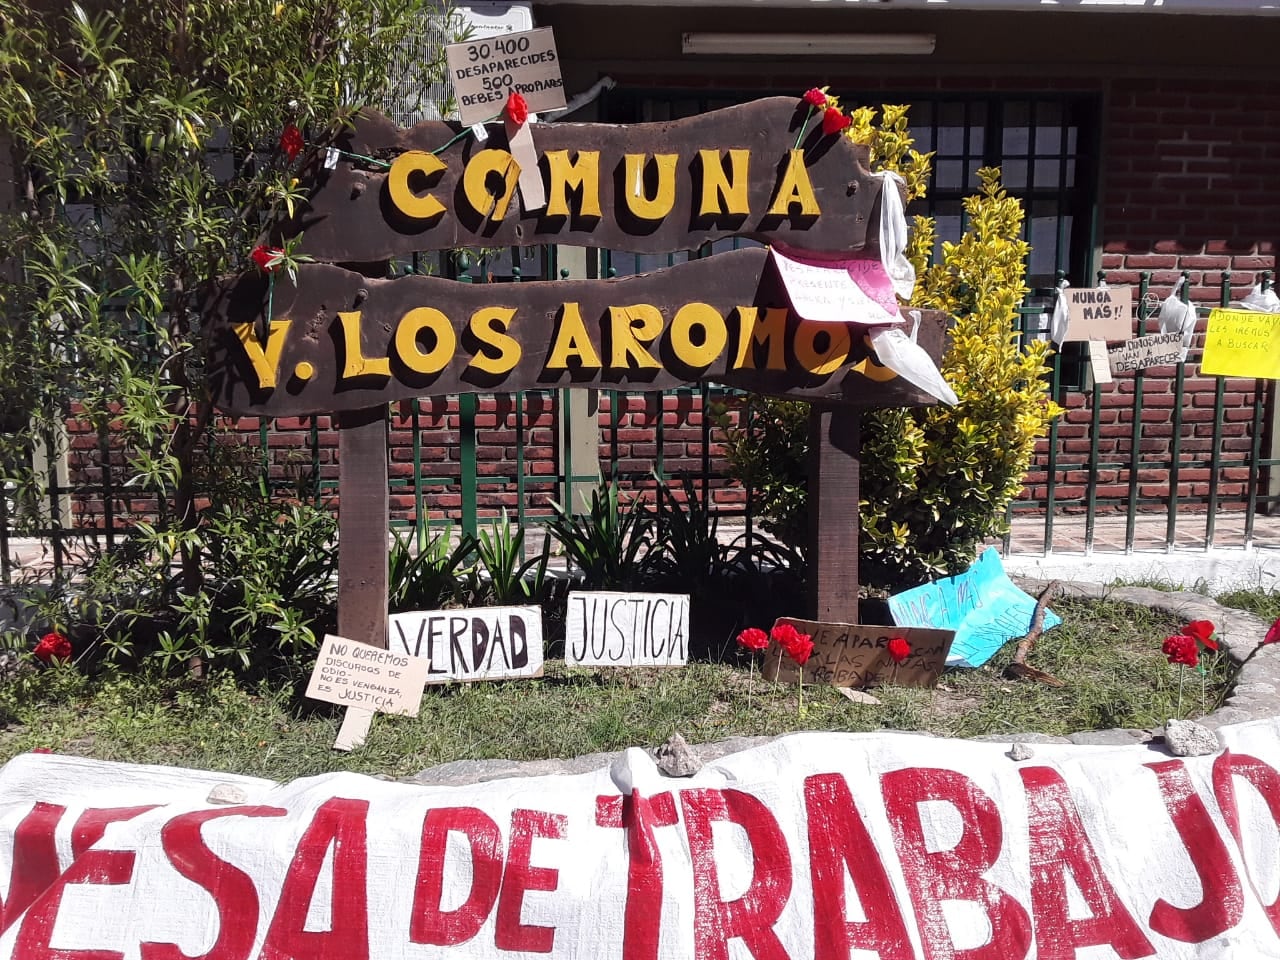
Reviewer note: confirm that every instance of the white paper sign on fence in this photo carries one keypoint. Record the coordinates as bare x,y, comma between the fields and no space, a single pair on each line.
485,643
604,629
354,674
831,846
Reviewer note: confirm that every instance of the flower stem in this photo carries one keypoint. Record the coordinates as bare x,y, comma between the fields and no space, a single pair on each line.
1182,675
803,127
271,294
800,708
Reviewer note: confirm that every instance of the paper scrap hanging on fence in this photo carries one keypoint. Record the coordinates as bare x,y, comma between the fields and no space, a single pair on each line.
1242,343
857,655
1098,313
982,605
837,291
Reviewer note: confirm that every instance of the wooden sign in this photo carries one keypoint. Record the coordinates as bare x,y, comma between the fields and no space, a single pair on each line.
645,187
342,341
1242,343
1156,350
486,643
1099,313
486,70
855,655
364,676
606,629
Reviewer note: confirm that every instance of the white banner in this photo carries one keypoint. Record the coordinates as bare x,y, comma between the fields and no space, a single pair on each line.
825,846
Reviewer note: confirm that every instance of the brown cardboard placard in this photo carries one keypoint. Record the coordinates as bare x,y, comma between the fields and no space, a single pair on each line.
360,675
486,70
1157,350
1099,313
857,655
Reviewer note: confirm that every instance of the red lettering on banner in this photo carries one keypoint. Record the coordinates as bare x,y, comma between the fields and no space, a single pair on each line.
957,873
1058,844
638,815
752,915
93,824
428,923
107,867
231,888
339,823
35,860
840,845
520,877
1266,780
1221,901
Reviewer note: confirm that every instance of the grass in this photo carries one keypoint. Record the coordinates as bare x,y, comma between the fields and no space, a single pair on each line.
1107,654
1264,605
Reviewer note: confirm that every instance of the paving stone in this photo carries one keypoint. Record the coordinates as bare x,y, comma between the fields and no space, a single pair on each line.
1029,737
1109,738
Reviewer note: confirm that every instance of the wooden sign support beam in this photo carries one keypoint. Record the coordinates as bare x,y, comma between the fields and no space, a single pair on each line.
835,445
362,544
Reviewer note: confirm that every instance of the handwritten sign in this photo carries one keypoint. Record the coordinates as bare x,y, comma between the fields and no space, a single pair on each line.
982,605
1099,313
829,293
354,674
605,629
486,71
1242,343
1099,362
1153,351
487,643
856,655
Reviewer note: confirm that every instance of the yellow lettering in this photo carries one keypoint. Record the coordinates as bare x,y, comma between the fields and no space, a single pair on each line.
629,328
410,352
769,330
475,182
713,337
487,325
720,193
572,341
827,359
795,188
582,174
420,207
664,197
871,368
265,363
358,365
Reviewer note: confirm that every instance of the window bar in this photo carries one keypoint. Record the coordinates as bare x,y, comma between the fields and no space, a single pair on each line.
1255,450
421,522
467,434
108,491
1095,425
1135,448
5,571
1175,447
518,412
55,511
1215,454
1051,468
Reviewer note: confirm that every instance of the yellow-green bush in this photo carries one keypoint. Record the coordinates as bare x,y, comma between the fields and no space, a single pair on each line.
936,481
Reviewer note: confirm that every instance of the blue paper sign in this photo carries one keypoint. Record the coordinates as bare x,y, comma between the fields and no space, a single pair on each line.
982,605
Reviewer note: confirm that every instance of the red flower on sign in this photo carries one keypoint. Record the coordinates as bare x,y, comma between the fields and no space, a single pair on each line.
833,121
899,649
517,109
53,646
801,649
267,258
291,142
1204,631
1181,649
815,98
753,638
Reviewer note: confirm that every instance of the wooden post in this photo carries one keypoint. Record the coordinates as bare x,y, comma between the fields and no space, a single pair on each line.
363,511
835,446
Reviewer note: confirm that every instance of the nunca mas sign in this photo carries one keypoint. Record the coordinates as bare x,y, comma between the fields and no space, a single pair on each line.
339,340
823,846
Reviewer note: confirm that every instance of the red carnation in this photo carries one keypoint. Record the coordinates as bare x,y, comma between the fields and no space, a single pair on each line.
833,121
1181,649
1204,631
815,98
1273,634
899,649
753,638
53,646
291,142
784,635
517,109
801,649
267,258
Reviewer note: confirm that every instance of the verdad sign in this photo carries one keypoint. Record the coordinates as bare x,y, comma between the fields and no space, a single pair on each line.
817,845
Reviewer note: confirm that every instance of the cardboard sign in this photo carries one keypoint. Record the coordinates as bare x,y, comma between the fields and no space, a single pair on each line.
857,655
1156,350
485,71
354,674
1099,362
605,629
487,643
1242,343
1099,313
982,605
826,292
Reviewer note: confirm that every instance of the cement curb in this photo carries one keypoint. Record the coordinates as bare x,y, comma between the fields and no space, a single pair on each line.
1256,694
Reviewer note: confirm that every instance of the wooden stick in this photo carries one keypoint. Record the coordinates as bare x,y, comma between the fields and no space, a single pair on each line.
1019,667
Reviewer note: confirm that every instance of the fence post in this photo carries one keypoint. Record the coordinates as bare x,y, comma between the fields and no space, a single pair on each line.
578,412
